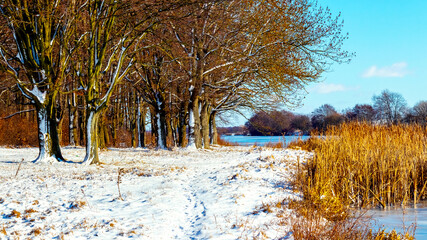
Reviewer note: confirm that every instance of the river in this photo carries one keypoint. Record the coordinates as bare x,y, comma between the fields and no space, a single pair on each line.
261,140
389,219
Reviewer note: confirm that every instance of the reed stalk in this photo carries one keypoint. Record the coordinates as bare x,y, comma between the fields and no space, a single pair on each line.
362,165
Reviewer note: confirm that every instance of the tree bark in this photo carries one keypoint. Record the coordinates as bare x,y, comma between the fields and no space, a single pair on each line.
81,123
49,148
169,131
161,124
103,138
154,128
182,127
195,125
72,109
141,126
92,150
133,125
214,130
205,125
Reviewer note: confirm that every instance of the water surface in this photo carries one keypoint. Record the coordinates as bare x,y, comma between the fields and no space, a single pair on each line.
261,140
399,218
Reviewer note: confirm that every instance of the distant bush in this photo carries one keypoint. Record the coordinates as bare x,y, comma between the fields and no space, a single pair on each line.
238,130
277,123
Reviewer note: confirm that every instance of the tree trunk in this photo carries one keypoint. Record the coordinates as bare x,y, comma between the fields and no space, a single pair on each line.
161,130
92,156
205,125
49,149
169,130
195,133
133,105
81,123
182,127
161,121
60,128
154,128
103,138
214,130
72,108
141,126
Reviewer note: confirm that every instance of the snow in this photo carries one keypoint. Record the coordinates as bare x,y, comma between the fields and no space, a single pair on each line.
40,96
178,194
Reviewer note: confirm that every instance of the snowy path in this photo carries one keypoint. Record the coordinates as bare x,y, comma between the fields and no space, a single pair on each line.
180,194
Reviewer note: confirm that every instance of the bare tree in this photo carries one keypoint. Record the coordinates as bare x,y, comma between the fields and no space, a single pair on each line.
389,106
361,112
324,116
115,32
419,112
244,53
36,53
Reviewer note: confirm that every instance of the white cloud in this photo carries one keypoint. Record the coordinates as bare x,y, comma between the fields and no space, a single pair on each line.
325,88
397,70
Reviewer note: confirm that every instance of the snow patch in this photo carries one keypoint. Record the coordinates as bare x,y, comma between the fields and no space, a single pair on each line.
40,96
179,194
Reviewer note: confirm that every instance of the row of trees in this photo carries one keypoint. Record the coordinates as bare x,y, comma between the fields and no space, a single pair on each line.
387,108
176,63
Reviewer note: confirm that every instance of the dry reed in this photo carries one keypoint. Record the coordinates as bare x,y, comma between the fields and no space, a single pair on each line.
276,145
360,164
223,142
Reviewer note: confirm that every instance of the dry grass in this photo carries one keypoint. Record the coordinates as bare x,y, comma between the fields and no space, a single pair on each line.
30,210
14,213
364,165
308,145
383,235
359,165
36,231
222,142
76,205
275,145
311,224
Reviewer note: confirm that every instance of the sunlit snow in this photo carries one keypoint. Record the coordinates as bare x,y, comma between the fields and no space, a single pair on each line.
178,194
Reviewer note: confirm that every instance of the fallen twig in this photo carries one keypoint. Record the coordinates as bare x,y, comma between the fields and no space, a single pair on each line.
19,167
119,181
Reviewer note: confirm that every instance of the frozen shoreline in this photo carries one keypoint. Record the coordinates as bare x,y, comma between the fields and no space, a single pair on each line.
179,194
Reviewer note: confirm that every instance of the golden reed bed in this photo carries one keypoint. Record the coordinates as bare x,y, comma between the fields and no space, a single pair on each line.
361,164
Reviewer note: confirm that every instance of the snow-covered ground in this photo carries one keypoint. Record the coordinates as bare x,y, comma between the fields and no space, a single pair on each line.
222,193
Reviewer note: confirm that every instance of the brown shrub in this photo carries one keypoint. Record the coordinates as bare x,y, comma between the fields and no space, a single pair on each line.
18,131
222,142
275,145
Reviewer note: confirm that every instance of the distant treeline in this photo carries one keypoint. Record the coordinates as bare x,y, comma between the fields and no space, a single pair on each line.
387,108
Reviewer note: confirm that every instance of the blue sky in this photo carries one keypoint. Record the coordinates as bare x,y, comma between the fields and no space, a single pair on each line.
389,39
